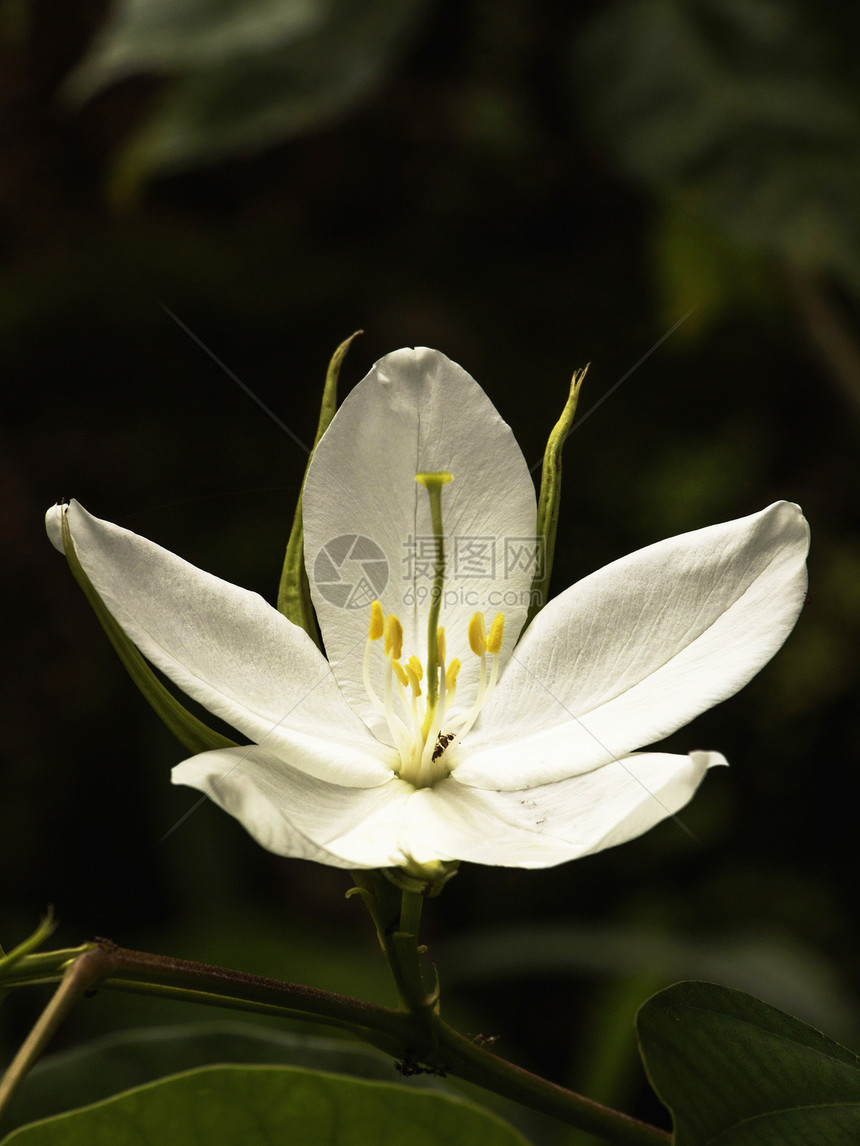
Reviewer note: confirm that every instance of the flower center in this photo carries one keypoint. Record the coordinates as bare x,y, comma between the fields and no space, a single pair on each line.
424,730
424,722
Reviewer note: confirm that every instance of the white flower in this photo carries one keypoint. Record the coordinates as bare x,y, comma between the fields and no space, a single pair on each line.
527,755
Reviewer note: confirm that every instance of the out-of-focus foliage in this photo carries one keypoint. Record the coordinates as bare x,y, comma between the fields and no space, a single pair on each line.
734,110
792,976
239,76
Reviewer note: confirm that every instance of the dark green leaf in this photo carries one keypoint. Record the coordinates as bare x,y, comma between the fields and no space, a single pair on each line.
264,1106
106,1066
736,1071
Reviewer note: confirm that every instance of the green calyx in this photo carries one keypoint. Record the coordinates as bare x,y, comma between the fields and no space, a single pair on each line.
425,879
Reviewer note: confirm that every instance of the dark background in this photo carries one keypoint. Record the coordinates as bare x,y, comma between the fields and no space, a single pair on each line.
528,187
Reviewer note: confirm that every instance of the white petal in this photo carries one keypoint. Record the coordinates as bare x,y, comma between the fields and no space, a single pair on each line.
636,650
415,411
293,814
228,649
557,822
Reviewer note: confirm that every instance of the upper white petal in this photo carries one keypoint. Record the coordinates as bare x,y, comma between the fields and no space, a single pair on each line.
636,650
227,648
415,411
557,822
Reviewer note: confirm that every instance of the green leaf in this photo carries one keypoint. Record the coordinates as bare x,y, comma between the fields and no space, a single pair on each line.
107,1066
240,75
191,732
737,1071
294,595
270,1106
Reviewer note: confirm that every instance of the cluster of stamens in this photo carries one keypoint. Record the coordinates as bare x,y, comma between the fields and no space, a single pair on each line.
423,721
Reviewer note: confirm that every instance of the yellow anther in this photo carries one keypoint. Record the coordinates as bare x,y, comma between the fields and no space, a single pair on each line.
497,631
413,677
393,637
377,622
416,667
400,672
451,676
434,480
478,635
440,643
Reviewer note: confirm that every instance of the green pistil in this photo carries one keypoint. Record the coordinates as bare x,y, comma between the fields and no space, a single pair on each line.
433,484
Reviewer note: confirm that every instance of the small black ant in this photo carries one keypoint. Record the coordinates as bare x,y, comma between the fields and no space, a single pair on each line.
442,742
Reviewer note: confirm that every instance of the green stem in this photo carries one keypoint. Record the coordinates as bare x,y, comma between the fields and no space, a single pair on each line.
415,1033
396,914
410,912
475,1064
467,1060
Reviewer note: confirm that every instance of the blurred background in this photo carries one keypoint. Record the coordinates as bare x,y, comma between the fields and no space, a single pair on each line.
665,189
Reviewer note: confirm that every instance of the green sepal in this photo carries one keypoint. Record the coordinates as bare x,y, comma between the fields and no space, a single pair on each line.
425,879
188,729
550,495
294,595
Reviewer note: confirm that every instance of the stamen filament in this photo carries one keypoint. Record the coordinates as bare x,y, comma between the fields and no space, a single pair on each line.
398,729
485,690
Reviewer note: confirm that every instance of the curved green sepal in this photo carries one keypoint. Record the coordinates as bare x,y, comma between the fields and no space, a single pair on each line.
190,731
550,494
294,596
